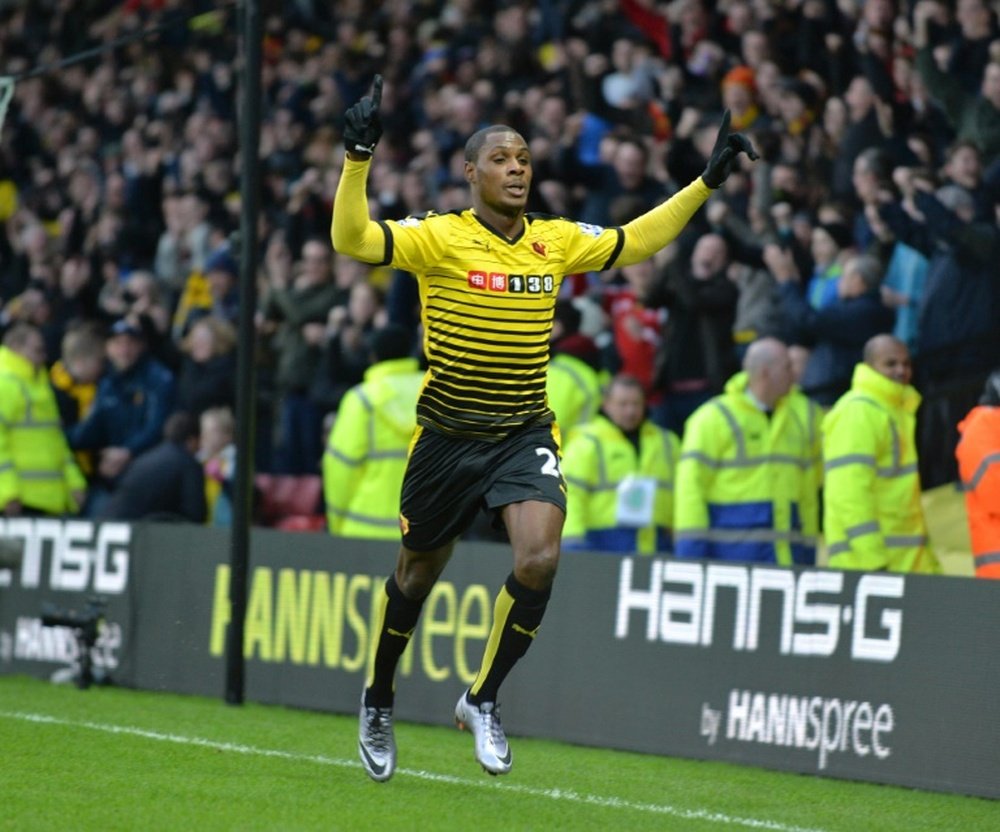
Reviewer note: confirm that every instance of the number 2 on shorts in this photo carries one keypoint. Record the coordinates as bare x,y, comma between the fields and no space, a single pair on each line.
551,464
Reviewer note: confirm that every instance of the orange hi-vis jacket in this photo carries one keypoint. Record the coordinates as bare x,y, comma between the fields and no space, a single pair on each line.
978,455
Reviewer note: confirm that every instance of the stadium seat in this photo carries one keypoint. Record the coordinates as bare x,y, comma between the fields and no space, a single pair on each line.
290,502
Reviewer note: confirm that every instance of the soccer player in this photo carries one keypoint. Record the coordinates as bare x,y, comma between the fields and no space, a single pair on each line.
488,279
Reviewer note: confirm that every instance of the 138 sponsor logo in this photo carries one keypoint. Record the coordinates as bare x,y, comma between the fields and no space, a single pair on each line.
515,284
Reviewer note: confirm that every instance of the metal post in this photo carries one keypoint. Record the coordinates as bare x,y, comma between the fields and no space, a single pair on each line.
249,141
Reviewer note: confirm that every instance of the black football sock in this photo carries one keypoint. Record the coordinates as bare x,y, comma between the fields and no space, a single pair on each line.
517,614
396,624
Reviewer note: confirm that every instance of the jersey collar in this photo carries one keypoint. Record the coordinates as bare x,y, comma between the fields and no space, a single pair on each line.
509,240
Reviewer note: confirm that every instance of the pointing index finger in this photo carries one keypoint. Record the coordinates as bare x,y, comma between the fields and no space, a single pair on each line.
377,93
724,128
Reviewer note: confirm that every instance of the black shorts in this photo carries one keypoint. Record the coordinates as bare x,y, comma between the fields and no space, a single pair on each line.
449,479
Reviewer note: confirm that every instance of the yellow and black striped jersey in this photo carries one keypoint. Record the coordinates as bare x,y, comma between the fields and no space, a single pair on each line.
486,306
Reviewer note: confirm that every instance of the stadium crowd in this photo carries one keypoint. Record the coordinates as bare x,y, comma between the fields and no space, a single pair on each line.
874,207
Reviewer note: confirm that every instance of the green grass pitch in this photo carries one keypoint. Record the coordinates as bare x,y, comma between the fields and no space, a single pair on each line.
114,759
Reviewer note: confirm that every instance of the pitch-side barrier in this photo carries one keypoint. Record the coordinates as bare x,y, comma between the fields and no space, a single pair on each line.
866,676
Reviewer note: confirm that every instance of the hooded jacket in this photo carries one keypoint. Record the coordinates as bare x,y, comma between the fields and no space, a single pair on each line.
873,517
746,483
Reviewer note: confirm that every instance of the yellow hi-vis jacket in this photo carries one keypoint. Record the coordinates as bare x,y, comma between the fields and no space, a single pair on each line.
811,416
36,464
367,451
746,485
573,388
602,470
873,518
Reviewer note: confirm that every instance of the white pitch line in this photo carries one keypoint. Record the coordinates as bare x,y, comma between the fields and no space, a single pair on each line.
513,788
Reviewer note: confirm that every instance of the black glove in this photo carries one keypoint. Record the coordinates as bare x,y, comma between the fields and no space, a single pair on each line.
362,126
728,147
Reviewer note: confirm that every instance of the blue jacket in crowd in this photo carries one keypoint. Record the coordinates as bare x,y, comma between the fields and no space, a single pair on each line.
129,410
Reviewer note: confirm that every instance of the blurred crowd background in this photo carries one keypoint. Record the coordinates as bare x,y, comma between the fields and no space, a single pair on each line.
878,124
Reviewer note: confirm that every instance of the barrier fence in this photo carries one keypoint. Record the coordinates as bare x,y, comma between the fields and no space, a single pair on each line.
866,676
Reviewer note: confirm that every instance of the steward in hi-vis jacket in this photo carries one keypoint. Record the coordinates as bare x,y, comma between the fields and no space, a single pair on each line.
620,471
37,471
746,484
366,454
873,517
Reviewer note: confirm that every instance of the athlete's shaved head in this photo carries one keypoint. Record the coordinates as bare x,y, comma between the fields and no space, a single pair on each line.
474,145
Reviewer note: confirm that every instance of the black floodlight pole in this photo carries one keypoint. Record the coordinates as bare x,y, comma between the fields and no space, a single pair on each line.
251,34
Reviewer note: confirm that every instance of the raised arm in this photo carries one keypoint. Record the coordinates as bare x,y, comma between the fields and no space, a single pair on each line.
352,231
647,234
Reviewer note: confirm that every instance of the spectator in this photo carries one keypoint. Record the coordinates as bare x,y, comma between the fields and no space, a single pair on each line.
74,376
963,166
626,174
872,514
184,245
207,376
831,244
573,385
837,333
164,483
144,302
745,489
346,351
134,398
862,133
367,450
211,291
37,473
696,355
74,380
636,324
972,115
295,315
978,456
960,301
739,96
969,49
217,453
620,471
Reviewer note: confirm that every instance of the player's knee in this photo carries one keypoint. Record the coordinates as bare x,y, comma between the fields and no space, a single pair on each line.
417,572
415,584
536,567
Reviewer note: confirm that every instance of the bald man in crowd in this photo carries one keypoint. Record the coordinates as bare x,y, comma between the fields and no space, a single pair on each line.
873,517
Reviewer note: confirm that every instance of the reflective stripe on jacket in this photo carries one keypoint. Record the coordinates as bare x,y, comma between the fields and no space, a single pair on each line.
873,517
36,465
978,454
597,458
366,454
746,487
